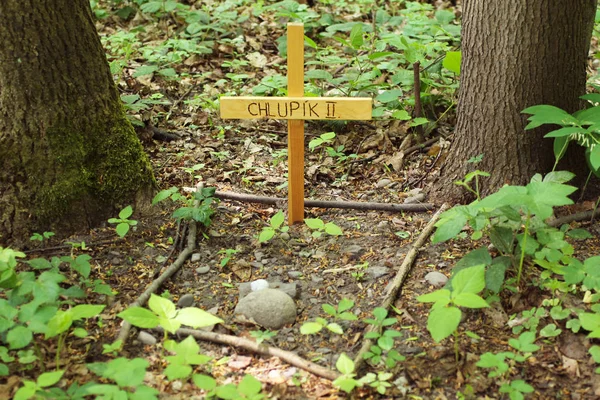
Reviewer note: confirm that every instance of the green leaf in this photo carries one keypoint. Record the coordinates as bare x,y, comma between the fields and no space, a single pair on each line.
595,353
277,220
164,194
356,36
140,317
39,263
452,61
442,322
126,212
59,323
470,300
550,330
145,70
85,311
333,229
579,234
204,382
266,234
345,304
197,318
449,225
329,309
567,131
434,297
161,306
249,386
310,328
26,392
49,378
335,328
560,146
469,280
546,114
314,223
593,157
122,229
344,364
589,322
19,337
388,96
177,371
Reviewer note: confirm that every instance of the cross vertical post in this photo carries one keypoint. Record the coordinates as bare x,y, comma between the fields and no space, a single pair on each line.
295,75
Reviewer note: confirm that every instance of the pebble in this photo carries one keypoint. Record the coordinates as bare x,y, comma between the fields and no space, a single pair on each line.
316,278
176,386
258,255
353,251
269,308
195,257
291,289
202,270
377,271
256,264
258,284
414,199
294,274
146,338
383,183
436,279
284,236
186,300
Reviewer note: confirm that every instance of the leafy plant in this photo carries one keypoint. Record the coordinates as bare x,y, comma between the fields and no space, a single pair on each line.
383,351
445,314
340,312
164,314
186,356
128,376
123,222
40,237
200,207
275,225
248,388
261,336
227,254
319,227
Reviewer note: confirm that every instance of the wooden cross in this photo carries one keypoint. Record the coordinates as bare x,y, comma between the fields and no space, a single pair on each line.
296,108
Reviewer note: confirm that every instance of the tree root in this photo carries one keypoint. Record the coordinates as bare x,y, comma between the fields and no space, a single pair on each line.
177,264
580,216
394,286
355,205
250,345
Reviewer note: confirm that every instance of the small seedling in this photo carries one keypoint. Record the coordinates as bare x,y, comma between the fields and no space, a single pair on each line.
325,138
112,348
275,225
40,237
261,336
227,254
123,222
340,312
319,227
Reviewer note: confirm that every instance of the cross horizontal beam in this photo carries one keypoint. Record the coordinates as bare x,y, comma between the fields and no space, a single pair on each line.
301,108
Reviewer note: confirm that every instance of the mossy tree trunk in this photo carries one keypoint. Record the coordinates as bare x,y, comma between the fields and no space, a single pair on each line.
68,156
515,54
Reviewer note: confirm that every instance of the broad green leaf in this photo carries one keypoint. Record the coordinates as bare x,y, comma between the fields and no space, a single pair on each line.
494,275
122,229
567,131
589,322
559,176
579,234
389,96
560,146
85,311
452,61
593,157
177,371
59,323
335,328
161,306
309,328
402,115
26,392
169,324
442,322
344,364
550,330
314,223
39,263
204,382
19,337
333,229
140,317
266,234
277,220
345,304
49,378
249,386
356,36
126,212
469,280
164,194
329,309
595,353
434,297
197,318
470,300
546,114
145,70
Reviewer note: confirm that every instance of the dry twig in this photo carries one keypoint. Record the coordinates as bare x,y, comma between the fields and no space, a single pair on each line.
396,284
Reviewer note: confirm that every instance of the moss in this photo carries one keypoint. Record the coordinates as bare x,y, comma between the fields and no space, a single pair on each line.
98,167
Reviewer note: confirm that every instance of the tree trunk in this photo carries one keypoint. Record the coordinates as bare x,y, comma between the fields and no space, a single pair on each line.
68,156
515,54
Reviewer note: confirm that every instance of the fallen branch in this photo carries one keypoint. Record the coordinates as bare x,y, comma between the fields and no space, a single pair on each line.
580,216
177,264
396,284
250,345
355,205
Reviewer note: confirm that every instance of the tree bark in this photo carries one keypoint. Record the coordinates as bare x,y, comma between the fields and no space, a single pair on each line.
515,54
68,156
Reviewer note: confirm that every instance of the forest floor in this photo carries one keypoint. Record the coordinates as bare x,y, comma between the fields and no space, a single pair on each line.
249,157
